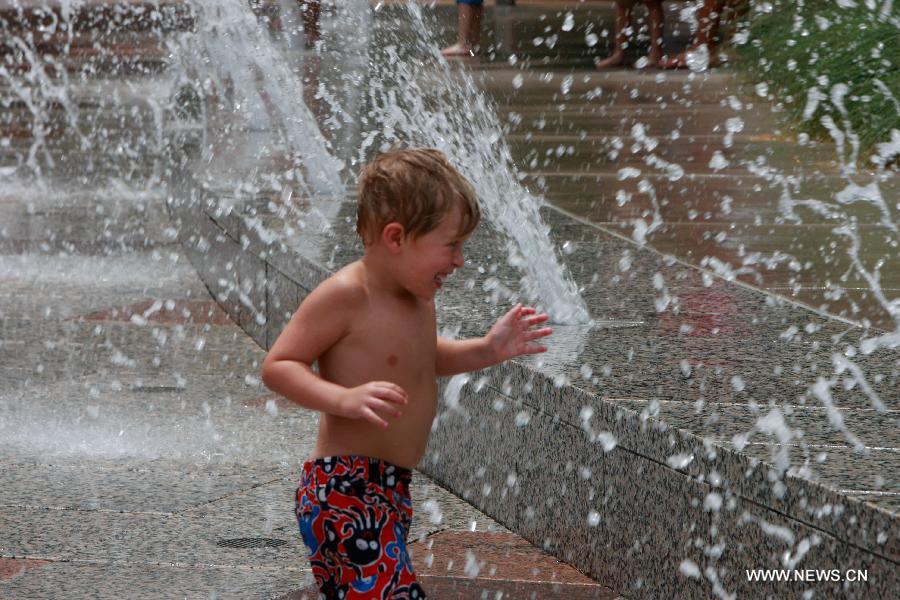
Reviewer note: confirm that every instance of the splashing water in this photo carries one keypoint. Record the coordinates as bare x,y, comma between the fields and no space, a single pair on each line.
434,105
236,62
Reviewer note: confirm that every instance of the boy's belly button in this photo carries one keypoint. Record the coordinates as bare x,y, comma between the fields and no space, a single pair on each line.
392,360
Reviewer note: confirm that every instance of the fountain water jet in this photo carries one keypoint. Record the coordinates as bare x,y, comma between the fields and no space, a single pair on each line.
418,98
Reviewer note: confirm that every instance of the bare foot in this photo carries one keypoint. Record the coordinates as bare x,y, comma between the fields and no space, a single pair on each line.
616,59
458,50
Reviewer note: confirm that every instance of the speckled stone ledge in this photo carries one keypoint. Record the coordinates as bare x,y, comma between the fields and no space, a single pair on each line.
600,451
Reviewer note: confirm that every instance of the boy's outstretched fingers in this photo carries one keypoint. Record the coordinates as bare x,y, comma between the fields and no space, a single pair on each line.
530,335
513,334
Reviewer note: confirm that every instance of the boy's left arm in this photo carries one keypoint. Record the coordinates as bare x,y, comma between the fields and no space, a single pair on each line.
512,335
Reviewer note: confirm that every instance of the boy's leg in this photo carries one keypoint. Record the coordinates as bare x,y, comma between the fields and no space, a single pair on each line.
620,36
468,36
354,515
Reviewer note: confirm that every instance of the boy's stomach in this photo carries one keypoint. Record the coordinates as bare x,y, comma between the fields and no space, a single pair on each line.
401,443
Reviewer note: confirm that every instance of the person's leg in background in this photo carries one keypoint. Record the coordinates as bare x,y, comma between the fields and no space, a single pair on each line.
309,9
468,28
620,35
657,19
708,18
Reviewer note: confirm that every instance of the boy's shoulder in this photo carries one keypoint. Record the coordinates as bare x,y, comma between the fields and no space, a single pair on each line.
346,287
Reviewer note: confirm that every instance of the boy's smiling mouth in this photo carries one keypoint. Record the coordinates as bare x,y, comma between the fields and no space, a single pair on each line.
439,278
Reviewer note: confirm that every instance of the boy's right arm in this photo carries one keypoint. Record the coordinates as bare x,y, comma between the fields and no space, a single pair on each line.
321,321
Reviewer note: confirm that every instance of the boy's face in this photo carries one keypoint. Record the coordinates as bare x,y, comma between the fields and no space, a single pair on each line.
433,256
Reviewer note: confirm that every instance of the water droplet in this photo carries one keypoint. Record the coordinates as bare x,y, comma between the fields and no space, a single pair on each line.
272,408
718,161
473,565
698,60
607,441
680,461
689,568
435,515
712,502
628,173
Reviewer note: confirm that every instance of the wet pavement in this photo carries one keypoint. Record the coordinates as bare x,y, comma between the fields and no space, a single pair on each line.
718,195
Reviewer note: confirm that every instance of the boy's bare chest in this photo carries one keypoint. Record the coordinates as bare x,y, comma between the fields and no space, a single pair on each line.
404,341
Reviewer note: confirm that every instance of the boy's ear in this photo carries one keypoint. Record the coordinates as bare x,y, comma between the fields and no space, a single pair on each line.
392,236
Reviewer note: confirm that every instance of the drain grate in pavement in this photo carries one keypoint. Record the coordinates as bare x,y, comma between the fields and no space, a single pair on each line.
157,389
251,543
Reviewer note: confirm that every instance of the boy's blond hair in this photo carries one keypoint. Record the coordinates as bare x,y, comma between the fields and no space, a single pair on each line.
413,187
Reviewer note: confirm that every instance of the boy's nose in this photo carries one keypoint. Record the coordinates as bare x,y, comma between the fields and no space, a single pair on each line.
458,259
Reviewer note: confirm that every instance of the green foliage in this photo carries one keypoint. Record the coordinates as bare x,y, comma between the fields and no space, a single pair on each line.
803,48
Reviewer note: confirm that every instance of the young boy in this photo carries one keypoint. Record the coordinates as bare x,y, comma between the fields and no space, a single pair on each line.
623,24
371,327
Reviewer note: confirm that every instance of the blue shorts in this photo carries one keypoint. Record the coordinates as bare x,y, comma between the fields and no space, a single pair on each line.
475,2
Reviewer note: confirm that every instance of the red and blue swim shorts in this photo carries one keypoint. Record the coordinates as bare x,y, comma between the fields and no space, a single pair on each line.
354,514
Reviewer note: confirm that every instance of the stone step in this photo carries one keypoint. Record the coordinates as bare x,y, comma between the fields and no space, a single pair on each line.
605,120
695,198
615,153
99,37
94,36
589,89
60,16
90,115
89,53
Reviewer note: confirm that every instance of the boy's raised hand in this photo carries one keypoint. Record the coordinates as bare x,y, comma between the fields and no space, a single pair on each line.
362,402
513,333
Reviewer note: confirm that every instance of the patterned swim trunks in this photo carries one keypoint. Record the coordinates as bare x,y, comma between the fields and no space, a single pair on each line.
354,514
